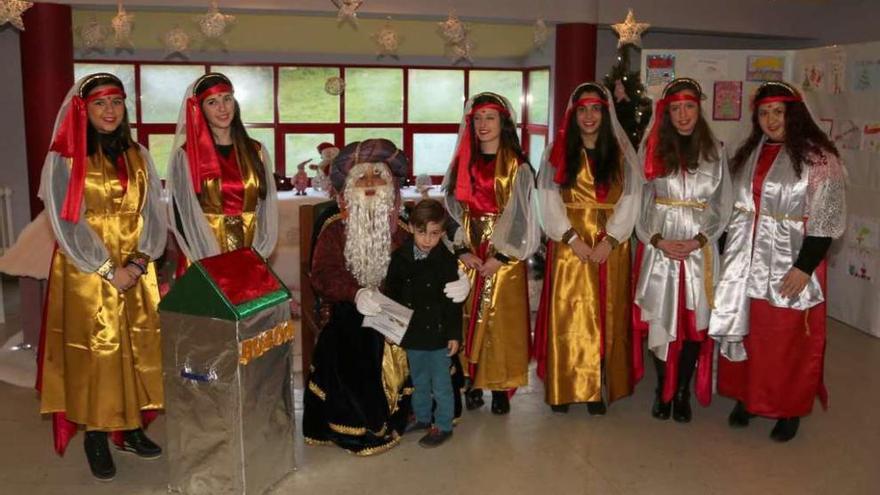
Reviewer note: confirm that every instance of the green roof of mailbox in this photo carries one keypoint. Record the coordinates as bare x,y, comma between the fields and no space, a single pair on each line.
230,286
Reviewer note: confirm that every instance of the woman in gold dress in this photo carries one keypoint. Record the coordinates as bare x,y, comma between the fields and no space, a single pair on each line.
221,182
100,353
588,194
489,189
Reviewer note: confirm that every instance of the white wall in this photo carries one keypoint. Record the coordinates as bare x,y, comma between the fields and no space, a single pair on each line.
13,167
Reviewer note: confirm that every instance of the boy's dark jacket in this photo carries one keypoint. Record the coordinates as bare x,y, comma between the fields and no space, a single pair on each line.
419,285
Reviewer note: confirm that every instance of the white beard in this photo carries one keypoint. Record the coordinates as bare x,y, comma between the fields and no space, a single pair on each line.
368,233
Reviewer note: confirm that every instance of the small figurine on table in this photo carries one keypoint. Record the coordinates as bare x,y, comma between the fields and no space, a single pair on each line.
328,152
301,179
423,184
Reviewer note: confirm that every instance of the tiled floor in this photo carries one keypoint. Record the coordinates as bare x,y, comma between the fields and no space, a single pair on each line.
534,451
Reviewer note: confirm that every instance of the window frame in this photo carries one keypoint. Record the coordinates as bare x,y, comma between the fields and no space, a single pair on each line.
337,129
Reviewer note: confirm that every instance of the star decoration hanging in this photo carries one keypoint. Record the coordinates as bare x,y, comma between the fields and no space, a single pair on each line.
334,86
214,23
122,25
176,41
461,52
347,11
540,34
93,35
11,11
452,29
387,40
630,31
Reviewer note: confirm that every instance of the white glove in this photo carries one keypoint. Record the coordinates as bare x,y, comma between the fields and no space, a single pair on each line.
459,289
366,302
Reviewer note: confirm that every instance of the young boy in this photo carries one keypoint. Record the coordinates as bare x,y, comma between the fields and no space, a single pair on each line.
418,271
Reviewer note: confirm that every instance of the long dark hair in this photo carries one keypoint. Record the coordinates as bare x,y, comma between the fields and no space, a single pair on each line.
247,150
802,136
607,148
117,141
509,139
675,150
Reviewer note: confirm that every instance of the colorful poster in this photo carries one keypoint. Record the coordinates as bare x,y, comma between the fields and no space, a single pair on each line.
708,68
871,137
865,75
863,233
727,101
660,69
836,72
847,134
813,77
765,68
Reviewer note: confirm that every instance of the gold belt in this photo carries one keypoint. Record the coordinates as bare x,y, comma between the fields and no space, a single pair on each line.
590,206
700,205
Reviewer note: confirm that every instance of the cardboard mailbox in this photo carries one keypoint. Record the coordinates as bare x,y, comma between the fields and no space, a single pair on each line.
226,342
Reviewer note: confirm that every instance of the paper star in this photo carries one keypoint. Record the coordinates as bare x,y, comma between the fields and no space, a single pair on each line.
630,31
387,40
176,41
347,10
540,35
452,29
93,35
11,11
122,25
215,23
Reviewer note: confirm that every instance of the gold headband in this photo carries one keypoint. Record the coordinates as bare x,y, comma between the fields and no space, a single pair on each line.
94,77
686,80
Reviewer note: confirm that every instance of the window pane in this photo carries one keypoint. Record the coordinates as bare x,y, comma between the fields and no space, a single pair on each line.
124,72
539,94
254,89
393,134
507,83
163,88
374,95
537,142
435,96
265,135
301,95
300,147
160,150
432,153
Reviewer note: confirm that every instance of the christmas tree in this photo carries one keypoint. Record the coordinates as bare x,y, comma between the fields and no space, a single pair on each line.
630,98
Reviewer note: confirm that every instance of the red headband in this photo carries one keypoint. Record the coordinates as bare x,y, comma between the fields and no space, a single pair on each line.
463,152
557,153
774,99
70,142
653,167
200,151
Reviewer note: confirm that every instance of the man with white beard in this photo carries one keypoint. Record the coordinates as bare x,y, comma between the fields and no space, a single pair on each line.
357,396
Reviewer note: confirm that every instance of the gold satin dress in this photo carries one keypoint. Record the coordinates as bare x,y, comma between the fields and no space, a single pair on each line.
232,225
575,368
102,362
498,327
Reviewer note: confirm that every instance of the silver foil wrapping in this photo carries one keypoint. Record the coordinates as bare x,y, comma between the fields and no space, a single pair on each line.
230,425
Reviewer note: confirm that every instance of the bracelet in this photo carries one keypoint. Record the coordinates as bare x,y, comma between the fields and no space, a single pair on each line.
568,236
502,258
701,239
106,270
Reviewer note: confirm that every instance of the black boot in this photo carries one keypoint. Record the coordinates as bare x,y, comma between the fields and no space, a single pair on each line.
739,417
596,408
457,376
561,408
660,410
785,429
681,406
98,455
500,402
473,399
681,402
137,442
